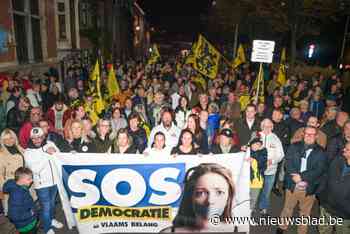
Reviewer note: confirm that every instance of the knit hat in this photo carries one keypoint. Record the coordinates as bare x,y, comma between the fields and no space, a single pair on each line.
36,132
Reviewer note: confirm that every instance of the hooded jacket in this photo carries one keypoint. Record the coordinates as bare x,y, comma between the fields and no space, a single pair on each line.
21,204
275,151
41,164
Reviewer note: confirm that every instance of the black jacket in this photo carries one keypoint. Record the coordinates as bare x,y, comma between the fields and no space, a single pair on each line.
334,192
335,146
331,129
59,141
243,131
216,149
202,141
294,125
102,146
139,139
316,166
282,130
15,119
82,146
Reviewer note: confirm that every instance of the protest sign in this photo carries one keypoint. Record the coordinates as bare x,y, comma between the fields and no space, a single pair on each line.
110,193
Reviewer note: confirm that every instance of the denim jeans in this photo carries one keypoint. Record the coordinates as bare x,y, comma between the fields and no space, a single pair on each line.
47,198
264,200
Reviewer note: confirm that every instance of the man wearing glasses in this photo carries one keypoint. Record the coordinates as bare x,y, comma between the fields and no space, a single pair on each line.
305,164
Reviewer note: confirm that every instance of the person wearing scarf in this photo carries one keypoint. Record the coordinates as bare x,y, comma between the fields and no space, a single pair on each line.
11,158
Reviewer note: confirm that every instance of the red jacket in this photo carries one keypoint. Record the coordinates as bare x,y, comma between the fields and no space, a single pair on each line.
24,134
51,115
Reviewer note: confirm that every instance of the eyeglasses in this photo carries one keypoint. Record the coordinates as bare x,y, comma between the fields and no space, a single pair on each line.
310,134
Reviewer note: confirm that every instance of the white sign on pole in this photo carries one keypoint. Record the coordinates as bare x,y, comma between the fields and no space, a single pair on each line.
262,51
263,45
262,57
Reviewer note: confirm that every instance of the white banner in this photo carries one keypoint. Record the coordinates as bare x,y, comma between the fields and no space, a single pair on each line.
112,193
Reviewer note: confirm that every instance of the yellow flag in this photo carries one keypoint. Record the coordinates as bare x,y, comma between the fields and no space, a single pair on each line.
240,58
96,72
154,56
89,109
190,56
199,79
244,100
95,89
206,58
281,78
112,83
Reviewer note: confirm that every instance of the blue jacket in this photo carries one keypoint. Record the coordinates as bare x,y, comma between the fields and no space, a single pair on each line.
20,203
316,166
317,108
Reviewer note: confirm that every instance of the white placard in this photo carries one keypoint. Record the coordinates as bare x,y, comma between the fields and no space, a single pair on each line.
262,57
261,45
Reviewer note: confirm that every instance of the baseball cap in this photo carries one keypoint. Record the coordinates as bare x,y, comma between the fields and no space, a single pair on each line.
255,140
226,132
36,132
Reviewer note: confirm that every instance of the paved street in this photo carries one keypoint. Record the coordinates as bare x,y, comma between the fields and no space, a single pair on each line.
277,204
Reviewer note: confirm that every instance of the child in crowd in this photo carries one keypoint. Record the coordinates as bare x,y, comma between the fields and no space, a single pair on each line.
21,205
258,164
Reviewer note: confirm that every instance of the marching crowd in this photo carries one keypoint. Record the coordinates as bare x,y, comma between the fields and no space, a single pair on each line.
298,137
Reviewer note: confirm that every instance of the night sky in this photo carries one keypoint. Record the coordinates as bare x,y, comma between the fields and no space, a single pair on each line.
180,20
180,16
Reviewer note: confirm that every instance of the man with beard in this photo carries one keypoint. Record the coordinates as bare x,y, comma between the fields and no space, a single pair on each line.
55,114
294,122
38,158
337,143
35,116
334,127
168,128
321,138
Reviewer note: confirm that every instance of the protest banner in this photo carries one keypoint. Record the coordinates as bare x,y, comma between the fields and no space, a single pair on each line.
112,193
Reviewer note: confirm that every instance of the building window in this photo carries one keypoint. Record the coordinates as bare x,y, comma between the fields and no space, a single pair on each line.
62,27
84,15
27,29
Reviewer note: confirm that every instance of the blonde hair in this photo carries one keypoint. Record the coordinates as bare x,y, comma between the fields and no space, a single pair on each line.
83,134
6,132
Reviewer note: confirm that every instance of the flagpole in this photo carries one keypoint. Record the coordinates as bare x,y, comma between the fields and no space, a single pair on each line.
258,88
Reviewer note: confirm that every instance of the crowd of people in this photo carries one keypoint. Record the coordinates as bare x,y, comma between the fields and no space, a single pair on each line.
298,137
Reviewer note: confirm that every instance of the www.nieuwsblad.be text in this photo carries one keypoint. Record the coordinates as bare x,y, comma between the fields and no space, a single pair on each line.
277,221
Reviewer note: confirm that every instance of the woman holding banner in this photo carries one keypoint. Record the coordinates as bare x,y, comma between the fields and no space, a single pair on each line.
200,136
158,147
207,200
123,143
79,142
186,144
